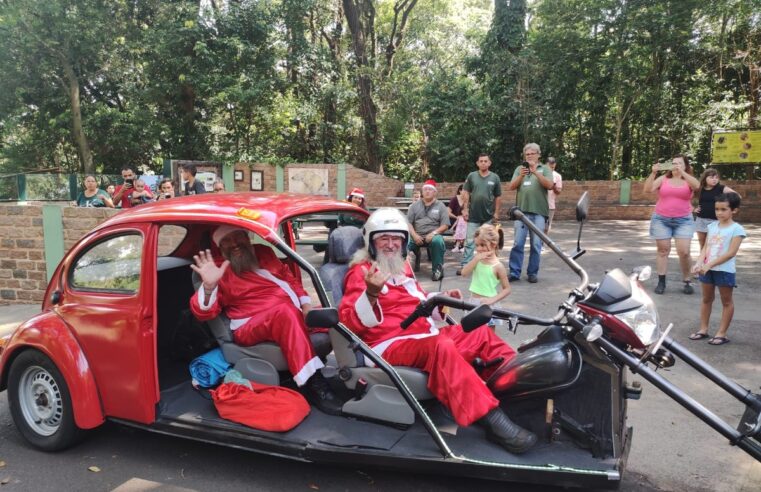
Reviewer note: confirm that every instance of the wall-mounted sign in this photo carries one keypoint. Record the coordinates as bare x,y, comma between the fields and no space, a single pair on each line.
736,147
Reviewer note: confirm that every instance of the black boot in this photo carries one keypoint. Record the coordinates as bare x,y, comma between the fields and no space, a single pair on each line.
503,431
319,394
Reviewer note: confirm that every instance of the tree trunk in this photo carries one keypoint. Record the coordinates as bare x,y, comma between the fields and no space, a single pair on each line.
72,90
367,109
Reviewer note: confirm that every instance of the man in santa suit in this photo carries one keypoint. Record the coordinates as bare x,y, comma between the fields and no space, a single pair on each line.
265,303
380,292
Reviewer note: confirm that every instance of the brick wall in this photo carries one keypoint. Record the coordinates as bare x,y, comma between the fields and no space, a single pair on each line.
606,204
23,271
23,274
377,188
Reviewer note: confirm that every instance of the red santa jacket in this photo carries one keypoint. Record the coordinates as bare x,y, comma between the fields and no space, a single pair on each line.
379,326
245,295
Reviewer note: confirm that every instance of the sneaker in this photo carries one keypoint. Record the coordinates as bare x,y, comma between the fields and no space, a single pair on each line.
660,288
438,273
688,288
532,279
513,278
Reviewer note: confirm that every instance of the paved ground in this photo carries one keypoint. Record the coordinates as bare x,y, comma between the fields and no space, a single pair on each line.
671,450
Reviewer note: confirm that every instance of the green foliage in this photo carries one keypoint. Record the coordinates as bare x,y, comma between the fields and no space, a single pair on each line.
606,86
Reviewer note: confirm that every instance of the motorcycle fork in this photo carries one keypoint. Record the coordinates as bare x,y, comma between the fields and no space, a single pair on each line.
750,425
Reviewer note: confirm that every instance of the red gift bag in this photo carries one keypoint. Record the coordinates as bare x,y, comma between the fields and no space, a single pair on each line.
270,408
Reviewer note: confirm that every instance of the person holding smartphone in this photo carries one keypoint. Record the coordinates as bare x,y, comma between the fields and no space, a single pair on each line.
123,192
672,217
166,189
532,179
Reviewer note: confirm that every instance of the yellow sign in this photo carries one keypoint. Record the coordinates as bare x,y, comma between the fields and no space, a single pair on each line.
737,147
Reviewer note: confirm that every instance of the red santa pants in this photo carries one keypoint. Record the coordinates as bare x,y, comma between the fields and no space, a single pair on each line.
447,359
284,325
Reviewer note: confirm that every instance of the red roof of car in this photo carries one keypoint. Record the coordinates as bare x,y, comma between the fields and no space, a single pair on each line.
269,209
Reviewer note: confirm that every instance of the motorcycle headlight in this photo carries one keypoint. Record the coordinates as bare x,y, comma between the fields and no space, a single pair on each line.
644,320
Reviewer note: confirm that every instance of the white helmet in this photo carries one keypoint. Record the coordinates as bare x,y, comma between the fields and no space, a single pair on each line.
385,220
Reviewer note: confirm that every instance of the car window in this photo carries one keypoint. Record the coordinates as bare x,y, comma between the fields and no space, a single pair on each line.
170,237
110,265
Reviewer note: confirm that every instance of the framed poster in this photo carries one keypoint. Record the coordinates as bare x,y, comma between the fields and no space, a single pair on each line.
238,175
257,180
311,181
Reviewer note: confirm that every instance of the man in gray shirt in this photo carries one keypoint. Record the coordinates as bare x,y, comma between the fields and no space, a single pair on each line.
428,219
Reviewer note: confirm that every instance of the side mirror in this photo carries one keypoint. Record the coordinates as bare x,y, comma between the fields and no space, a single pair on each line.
582,207
475,318
322,317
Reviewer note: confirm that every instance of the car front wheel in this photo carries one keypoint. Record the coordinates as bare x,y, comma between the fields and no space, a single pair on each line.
40,403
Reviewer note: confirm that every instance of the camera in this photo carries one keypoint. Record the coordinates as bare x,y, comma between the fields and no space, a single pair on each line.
129,181
525,164
167,195
665,166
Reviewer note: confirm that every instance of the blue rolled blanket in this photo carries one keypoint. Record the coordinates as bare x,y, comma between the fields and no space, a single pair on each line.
209,368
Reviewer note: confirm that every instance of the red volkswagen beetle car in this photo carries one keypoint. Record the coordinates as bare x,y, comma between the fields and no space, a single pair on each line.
105,347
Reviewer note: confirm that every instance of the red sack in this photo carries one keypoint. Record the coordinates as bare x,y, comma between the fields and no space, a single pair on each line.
270,408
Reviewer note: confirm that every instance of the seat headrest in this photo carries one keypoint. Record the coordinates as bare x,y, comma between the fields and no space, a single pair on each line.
343,243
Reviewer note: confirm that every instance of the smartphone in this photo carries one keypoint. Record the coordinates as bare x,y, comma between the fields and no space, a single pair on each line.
129,181
666,166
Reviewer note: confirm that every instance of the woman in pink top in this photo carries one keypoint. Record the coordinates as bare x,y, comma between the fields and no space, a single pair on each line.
673,217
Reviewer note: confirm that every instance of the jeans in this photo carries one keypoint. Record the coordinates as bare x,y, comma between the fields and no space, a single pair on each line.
516,254
470,245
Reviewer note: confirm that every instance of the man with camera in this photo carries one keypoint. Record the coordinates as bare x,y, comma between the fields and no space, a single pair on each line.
166,189
123,192
532,179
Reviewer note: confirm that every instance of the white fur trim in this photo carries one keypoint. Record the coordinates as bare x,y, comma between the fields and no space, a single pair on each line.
366,312
283,285
202,302
237,323
381,347
312,366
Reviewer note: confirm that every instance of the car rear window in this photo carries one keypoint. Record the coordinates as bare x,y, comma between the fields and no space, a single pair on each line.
110,265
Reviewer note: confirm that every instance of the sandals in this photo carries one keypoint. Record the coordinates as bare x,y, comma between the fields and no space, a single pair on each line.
698,336
718,341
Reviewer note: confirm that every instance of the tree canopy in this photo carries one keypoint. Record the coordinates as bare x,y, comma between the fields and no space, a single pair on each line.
410,88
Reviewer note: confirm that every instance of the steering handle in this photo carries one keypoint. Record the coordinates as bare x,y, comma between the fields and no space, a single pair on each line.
425,308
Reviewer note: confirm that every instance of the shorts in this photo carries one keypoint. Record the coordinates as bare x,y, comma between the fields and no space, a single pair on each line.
701,224
671,227
718,278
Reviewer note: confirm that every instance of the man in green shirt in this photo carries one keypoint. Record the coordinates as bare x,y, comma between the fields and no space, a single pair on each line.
532,179
480,203
428,219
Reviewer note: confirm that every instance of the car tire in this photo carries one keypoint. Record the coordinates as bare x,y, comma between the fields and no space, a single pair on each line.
40,403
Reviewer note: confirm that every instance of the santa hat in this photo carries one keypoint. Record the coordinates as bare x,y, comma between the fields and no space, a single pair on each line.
430,184
357,192
223,231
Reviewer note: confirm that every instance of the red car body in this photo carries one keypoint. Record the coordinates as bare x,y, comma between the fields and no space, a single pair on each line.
104,343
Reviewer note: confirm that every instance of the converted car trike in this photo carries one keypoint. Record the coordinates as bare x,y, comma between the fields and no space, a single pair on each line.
107,346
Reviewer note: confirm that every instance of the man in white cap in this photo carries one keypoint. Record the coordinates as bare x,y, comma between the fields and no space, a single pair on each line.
429,218
380,292
265,303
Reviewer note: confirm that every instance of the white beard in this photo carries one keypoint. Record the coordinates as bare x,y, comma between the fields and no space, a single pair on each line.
393,264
